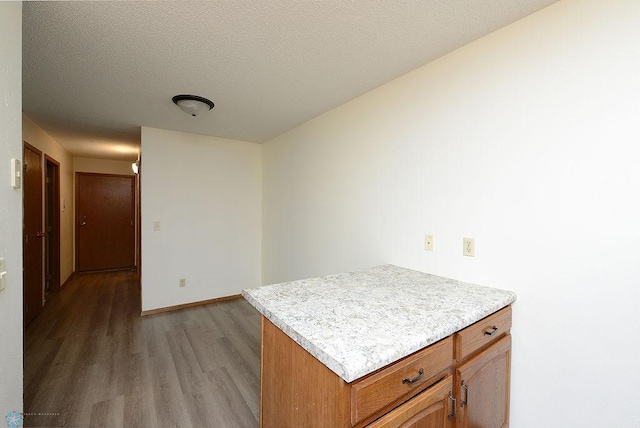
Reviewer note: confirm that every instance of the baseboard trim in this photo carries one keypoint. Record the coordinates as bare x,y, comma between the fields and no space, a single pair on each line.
66,281
190,305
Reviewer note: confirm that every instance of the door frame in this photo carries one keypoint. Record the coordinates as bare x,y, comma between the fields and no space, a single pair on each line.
52,206
138,208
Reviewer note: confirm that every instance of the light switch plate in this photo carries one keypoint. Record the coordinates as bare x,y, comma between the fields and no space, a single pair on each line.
16,173
156,226
3,273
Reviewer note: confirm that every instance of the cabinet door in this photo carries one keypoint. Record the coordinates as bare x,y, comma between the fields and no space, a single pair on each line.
482,386
429,409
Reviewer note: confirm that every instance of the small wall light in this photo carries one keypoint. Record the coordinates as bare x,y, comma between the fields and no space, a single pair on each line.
193,104
135,167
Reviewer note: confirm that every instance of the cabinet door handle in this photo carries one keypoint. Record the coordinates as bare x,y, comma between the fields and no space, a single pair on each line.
466,396
415,379
455,405
490,331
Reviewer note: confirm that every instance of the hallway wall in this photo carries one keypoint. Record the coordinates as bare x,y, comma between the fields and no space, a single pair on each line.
38,138
11,385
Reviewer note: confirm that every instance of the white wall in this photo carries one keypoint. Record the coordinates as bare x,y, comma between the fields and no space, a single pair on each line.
206,194
10,207
526,140
102,166
37,137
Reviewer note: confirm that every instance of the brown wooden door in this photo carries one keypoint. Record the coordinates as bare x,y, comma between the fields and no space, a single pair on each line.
483,388
33,235
429,409
105,232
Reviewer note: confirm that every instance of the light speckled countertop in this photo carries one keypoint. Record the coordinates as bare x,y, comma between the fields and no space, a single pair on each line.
358,322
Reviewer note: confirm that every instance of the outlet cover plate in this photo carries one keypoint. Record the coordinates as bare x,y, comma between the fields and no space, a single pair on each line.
468,247
428,242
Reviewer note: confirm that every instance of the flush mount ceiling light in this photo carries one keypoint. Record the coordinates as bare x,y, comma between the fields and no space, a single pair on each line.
193,104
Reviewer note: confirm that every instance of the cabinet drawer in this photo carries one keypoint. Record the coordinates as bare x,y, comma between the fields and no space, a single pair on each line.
400,380
482,333
430,408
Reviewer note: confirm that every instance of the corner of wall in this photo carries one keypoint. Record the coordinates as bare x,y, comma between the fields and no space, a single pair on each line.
11,369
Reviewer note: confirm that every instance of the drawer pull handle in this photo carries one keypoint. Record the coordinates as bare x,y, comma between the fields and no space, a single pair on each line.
455,405
491,331
415,379
466,395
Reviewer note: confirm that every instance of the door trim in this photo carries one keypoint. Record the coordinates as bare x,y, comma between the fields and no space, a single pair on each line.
53,205
138,238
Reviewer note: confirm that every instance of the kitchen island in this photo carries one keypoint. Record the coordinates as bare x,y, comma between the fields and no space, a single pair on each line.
353,348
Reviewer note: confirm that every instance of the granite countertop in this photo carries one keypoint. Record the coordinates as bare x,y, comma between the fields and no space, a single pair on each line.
358,322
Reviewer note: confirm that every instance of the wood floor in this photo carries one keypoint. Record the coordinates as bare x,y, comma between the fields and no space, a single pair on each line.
91,360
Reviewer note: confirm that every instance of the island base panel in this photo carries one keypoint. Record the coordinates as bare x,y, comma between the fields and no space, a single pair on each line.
297,390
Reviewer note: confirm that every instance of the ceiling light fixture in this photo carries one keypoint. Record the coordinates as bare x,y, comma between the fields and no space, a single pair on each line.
193,104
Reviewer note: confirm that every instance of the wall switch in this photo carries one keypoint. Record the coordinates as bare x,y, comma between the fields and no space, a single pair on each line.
183,282
156,226
428,242
16,173
3,273
468,247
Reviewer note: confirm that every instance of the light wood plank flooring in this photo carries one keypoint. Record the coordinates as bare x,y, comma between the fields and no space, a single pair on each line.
91,360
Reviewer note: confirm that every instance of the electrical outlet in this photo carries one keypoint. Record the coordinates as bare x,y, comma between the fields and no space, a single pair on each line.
468,247
183,282
428,242
156,226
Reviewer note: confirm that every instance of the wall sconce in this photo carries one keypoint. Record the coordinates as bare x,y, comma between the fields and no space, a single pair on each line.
136,167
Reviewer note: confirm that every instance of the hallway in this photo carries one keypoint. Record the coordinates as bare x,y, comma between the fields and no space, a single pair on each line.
91,360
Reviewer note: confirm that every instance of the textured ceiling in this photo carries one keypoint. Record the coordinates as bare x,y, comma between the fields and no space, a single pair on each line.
95,72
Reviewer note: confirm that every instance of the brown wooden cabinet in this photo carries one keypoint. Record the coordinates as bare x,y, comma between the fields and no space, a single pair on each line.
482,383
482,377
460,381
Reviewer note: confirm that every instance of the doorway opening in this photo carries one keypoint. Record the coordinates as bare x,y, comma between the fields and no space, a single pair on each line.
52,225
